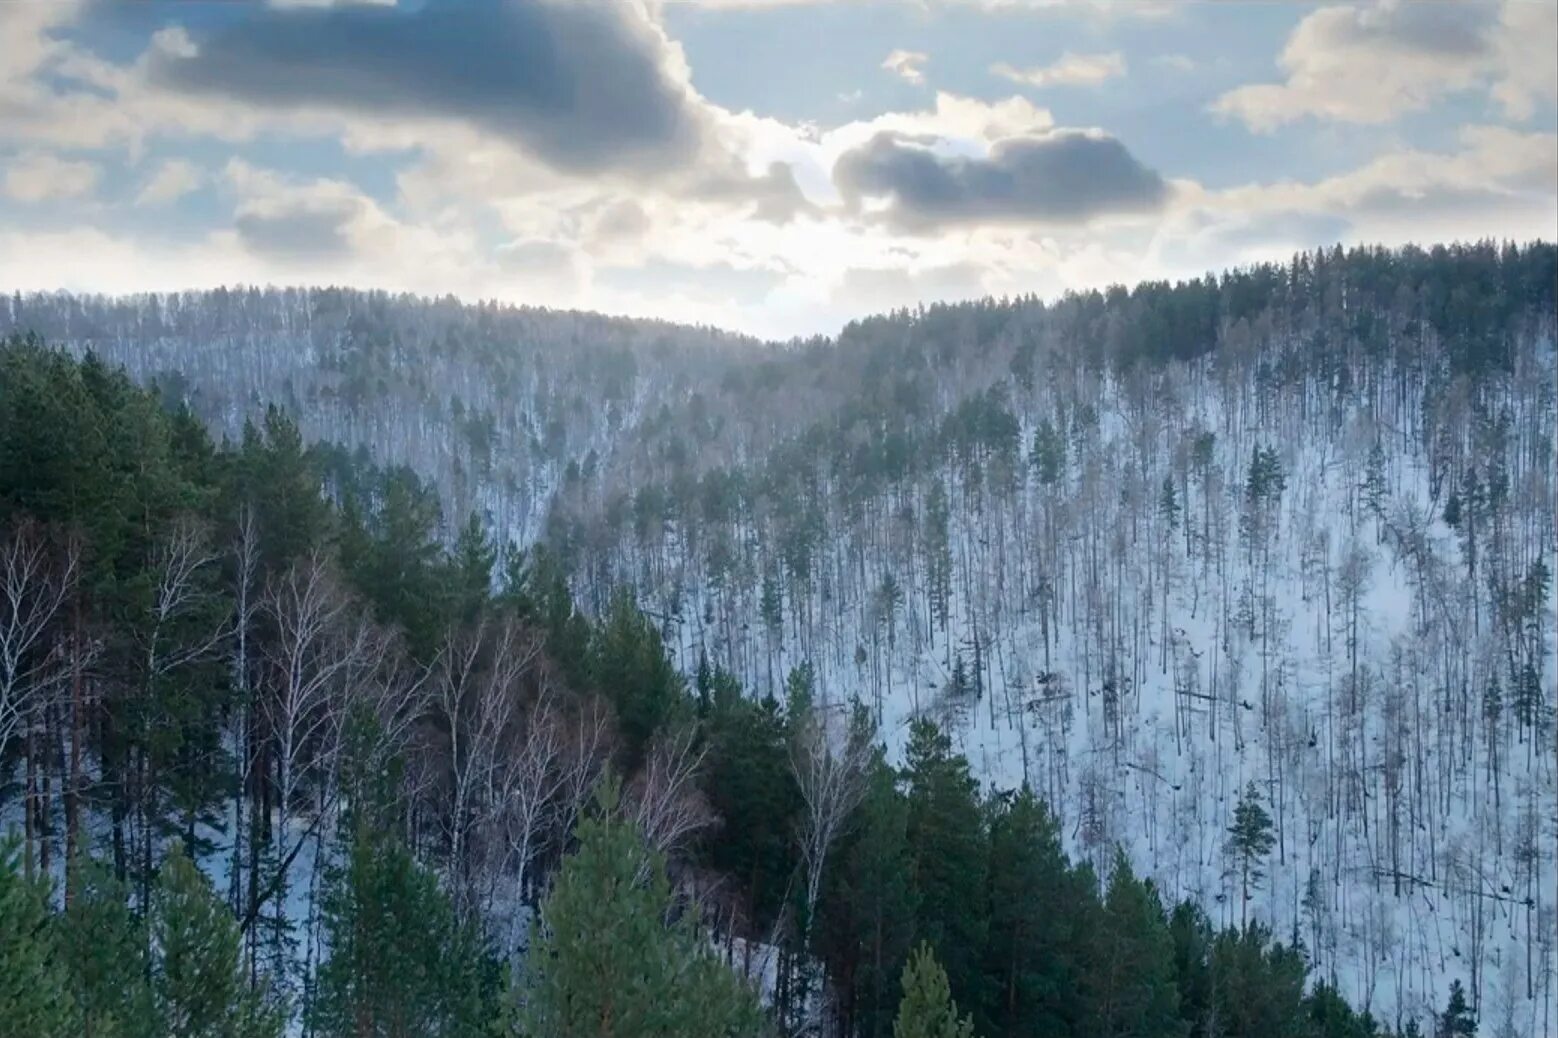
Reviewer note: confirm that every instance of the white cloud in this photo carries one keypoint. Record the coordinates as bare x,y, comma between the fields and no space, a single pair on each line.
38,176
1175,62
174,179
905,64
1069,70
1371,64
474,213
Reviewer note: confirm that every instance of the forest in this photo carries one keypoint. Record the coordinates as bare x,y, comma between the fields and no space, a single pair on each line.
1165,661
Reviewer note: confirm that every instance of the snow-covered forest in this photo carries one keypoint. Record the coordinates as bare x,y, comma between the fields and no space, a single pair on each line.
1284,535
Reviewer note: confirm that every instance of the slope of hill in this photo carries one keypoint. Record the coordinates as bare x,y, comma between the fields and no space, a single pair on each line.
1290,527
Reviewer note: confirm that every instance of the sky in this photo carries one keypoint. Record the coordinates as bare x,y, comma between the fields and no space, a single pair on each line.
776,167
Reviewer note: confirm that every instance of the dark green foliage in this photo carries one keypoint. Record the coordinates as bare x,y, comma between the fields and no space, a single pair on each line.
199,984
1048,454
608,965
951,856
1265,480
629,665
751,786
1250,840
105,948
1258,985
867,916
1457,1021
1168,503
927,1009
1331,1017
399,965
35,981
1038,913
1131,974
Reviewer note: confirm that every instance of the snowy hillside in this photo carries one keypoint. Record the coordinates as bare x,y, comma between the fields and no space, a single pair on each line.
1139,550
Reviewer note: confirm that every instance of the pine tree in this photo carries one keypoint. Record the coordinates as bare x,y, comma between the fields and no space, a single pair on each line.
1168,503
867,918
400,965
1373,488
607,964
927,1009
1458,1020
35,999
105,947
1258,985
1048,454
951,858
1131,976
198,985
1037,911
1249,840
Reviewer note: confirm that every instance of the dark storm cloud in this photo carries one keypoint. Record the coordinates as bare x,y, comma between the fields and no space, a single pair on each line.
306,229
1062,177
580,83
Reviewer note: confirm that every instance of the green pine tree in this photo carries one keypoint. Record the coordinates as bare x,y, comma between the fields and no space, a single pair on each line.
199,987
1038,909
1458,1020
927,1009
1250,840
400,965
607,964
105,947
1168,503
1130,978
951,857
866,923
35,997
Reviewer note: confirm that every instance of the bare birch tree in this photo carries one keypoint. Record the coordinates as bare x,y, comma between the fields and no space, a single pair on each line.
33,588
830,771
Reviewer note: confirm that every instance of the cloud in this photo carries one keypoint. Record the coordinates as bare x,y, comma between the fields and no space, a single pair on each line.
1368,65
1496,183
584,85
309,222
174,179
1070,70
720,282
1061,177
38,176
905,64
1175,62
886,288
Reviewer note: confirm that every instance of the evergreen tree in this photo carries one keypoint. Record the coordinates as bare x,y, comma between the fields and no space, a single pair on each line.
750,784
629,664
105,947
1130,979
1373,489
35,983
199,989
1331,1017
1249,840
400,965
1258,985
1458,1021
868,915
1168,503
472,562
1037,908
1048,454
607,964
927,1009
951,857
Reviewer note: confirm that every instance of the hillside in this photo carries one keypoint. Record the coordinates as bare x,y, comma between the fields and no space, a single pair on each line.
1289,528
